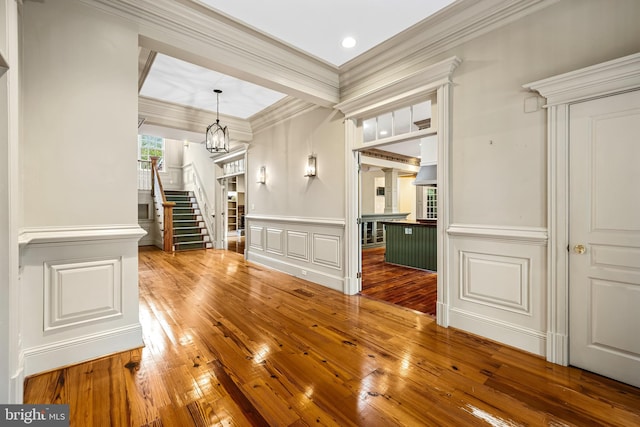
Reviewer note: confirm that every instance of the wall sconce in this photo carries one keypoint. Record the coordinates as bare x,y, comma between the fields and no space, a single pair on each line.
312,166
262,175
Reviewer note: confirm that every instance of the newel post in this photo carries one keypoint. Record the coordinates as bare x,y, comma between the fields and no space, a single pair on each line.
167,242
154,167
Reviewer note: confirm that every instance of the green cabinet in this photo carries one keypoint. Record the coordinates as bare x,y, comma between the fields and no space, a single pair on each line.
411,244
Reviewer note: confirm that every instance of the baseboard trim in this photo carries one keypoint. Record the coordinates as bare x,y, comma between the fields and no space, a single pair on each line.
324,279
558,348
76,350
507,333
16,388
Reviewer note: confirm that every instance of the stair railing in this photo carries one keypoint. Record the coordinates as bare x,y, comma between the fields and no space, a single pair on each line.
145,175
163,206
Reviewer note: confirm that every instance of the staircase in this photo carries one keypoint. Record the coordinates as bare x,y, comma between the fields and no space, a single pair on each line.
189,230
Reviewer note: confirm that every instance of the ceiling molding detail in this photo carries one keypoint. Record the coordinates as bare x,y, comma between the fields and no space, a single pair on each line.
166,114
597,80
192,32
420,44
378,153
285,109
378,162
410,88
145,61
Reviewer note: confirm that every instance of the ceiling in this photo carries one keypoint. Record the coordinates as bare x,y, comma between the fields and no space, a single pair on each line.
315,27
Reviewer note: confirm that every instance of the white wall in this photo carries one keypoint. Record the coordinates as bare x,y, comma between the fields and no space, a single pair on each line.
284,149
407,197
369,202
504,182
296,223
173,157
497,249
79,154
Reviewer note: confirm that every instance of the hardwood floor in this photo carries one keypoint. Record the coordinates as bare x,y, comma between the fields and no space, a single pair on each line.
232,343
236,244
408,287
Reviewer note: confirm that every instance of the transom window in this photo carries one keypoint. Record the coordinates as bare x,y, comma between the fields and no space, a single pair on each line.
399,122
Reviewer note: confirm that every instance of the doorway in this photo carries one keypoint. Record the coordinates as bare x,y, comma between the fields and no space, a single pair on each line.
235,199
604,231
388,199
593,283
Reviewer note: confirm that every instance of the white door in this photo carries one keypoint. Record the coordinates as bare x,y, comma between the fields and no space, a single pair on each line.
604,236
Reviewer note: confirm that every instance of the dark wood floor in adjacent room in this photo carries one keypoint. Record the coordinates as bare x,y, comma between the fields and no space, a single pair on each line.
404,286
229,342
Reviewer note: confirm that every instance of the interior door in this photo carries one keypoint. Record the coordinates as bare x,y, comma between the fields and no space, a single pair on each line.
604,235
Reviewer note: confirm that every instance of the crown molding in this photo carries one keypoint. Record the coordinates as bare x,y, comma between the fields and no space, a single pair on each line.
419,45
285,109
401,91
193,32
145,61
176,116
597,80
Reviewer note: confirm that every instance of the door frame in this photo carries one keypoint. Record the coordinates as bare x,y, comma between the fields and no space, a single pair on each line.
435,78
605,79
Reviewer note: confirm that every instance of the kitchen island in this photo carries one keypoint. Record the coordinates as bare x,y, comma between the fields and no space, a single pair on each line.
412,244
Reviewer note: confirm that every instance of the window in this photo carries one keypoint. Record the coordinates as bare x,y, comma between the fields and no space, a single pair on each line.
431,202
150,146
399,122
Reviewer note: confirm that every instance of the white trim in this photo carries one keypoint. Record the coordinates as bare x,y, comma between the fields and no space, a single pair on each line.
323,278
535,235
193,32
520,337
458,23
79,349
422,83
283,110
444,97
229,157
32,236
406,89
176,116
591,82
298,220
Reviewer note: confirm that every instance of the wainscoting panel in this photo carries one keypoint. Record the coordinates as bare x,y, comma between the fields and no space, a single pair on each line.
498,284
309,248
255,238
298,245
327,250
275,241
81,292
497,281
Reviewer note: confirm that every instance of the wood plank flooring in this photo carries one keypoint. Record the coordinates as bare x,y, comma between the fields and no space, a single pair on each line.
232,343
404,286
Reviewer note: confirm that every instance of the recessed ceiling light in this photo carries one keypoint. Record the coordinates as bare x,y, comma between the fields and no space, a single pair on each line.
348,42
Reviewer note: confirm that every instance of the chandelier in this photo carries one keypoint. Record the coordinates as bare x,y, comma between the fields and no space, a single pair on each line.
217,140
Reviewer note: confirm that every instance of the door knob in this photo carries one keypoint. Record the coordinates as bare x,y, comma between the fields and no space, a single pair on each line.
579,249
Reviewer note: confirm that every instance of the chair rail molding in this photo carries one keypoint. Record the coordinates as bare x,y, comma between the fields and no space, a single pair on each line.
561,91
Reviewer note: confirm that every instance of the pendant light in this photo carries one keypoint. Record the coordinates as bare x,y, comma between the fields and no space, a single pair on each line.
217,140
